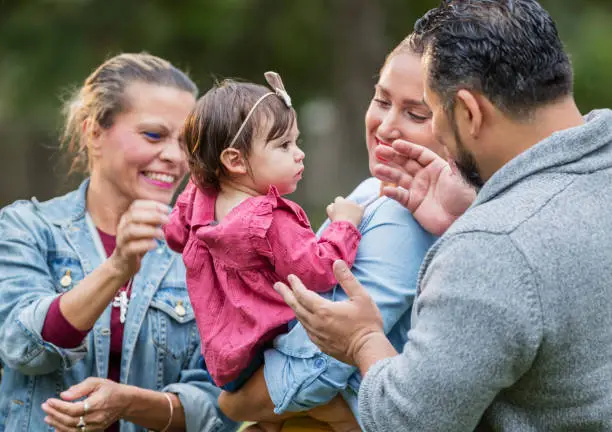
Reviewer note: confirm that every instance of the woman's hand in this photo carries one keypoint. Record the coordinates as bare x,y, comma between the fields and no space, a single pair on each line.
105,403
138,229
429,188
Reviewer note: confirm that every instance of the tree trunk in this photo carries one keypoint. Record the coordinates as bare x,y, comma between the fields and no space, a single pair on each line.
358,51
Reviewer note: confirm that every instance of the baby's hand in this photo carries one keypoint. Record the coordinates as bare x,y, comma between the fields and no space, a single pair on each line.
345,210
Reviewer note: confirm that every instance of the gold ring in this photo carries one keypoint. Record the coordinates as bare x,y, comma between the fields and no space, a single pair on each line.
81,424
85,407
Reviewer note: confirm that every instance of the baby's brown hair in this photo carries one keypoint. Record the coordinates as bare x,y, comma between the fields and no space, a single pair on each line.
222,118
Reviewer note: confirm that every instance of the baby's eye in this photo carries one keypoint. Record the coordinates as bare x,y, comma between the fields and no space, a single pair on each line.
154,136
285,145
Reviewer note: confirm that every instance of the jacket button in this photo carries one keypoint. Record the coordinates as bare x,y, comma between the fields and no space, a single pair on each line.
319,363
180,309
66,280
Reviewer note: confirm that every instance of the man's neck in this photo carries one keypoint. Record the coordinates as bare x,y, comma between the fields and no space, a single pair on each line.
104,206
516,137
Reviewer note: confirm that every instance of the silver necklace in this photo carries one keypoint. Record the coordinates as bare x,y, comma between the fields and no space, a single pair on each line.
121,300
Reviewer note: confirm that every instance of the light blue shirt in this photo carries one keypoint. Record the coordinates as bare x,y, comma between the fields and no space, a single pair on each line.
298,375
40,243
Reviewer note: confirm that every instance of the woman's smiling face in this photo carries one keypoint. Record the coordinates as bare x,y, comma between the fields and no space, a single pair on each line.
397,110
139,155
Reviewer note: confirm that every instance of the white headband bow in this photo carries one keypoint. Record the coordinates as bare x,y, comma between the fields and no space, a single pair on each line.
276,83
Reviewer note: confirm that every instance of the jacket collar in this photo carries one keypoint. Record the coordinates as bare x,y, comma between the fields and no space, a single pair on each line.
67,209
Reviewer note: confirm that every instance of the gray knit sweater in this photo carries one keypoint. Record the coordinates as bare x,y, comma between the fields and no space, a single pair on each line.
514,315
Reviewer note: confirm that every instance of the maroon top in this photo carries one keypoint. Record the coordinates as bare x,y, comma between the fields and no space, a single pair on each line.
60,332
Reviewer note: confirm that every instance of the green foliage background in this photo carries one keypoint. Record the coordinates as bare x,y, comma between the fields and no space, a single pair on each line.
328,52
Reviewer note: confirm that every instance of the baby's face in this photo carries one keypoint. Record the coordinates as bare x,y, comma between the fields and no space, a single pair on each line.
279,162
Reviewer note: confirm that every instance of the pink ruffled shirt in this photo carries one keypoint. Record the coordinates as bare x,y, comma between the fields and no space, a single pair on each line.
232,266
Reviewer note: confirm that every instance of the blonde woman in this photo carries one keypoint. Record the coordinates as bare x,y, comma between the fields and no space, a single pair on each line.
96,329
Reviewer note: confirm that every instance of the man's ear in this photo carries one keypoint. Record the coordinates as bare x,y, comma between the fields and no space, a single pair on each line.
469,112
233,161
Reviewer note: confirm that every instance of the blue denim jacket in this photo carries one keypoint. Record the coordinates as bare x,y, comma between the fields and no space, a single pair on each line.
298,375
40,243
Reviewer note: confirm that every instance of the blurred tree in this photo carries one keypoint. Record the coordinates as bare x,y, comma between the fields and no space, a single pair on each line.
328,52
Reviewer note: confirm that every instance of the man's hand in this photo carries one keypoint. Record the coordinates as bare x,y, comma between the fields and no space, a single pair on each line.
428,187
340,329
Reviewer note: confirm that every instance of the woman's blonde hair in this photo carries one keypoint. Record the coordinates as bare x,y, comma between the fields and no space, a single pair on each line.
102,97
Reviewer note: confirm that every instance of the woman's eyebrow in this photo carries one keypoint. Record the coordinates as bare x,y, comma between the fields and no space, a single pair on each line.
154,125
405,102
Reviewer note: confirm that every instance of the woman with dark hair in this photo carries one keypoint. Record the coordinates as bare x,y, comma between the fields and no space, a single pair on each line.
296,375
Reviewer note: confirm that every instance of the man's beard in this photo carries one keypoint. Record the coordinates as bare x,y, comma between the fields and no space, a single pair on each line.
465,162
466,165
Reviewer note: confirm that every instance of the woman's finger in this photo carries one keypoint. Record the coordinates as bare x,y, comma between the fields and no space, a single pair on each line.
139,247
82,389
150,205
97,417
146,217
59,427
97,402
97,421
72,409
140,231
60,416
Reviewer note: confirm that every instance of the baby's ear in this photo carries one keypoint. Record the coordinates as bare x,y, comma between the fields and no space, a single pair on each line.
233,161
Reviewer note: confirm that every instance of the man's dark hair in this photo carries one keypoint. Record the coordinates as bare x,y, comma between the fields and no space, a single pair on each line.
508,50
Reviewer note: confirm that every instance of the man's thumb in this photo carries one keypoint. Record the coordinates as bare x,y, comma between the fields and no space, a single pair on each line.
347,280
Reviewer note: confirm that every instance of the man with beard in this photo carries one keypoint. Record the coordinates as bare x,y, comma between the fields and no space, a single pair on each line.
512,327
